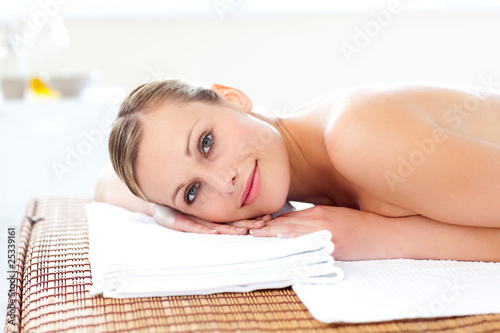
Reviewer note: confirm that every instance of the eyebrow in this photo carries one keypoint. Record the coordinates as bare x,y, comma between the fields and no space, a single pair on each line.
188,153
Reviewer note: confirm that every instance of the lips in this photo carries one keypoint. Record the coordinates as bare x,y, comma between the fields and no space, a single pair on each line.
252,188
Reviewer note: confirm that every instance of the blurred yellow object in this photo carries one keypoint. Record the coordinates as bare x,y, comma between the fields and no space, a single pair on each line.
40,89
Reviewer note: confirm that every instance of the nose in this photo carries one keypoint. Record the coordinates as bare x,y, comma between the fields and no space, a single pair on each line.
224,181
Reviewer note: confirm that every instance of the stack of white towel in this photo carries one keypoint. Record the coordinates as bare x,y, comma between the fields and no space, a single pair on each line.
133,256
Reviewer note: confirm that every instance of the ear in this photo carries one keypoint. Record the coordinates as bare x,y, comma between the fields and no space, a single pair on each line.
234,96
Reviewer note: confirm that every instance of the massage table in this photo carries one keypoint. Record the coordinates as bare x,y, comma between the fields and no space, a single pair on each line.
53,277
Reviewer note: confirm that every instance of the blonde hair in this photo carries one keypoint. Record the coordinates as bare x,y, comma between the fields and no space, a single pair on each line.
127,130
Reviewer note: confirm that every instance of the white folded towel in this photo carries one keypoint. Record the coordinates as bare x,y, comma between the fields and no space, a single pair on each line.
379,290
133,256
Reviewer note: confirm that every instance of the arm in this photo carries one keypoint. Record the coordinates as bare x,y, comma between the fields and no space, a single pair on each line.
428,239
359,235
112,190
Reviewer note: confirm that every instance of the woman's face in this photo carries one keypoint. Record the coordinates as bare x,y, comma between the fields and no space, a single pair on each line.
217,162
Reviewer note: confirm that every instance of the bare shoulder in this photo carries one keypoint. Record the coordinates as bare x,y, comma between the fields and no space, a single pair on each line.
377,102
365,113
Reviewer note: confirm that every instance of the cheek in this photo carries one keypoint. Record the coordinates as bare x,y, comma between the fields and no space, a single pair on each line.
274,190
210,206
215,212
276,181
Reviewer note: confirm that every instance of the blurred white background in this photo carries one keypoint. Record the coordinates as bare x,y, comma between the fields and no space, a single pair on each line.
282,53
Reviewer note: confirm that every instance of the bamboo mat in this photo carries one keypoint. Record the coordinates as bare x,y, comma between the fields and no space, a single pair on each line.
53,279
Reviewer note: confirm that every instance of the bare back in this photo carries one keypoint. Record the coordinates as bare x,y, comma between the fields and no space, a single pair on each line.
407,149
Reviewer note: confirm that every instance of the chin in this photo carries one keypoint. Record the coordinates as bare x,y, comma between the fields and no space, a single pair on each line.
277,206
273,204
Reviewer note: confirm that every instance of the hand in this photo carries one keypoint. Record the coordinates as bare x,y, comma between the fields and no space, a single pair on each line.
356,234
173,219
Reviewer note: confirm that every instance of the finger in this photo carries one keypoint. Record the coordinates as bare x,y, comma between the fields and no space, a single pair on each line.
282,231
183,223
298,213
225,228
249,224
289,220
258,222
266,218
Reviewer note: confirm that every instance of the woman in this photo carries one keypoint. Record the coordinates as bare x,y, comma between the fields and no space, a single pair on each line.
395,170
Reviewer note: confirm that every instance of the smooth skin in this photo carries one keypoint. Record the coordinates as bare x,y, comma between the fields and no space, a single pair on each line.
395,170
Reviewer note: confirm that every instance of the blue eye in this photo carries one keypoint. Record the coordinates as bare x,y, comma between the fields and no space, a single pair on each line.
206,143
191,194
